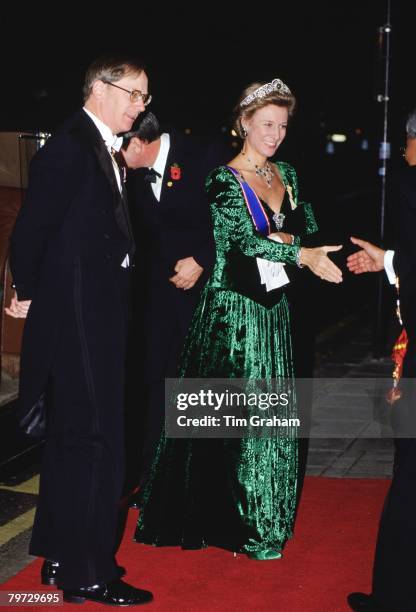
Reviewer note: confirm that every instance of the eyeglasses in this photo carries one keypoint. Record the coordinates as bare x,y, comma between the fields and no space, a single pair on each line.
135,94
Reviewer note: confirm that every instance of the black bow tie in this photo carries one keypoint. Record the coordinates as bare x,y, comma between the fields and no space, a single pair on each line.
151,175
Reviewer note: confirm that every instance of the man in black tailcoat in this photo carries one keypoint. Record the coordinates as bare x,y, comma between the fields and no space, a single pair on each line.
71,255
172,224
394,586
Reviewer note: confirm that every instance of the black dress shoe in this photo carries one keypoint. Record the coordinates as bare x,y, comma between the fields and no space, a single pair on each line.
360,602
50,572
117,593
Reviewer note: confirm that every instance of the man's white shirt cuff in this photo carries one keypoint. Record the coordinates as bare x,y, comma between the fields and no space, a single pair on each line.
388,266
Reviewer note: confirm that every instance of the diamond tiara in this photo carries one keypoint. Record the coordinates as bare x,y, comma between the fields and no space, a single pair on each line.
264,90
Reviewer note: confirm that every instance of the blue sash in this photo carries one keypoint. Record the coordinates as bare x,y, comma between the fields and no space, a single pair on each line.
256,210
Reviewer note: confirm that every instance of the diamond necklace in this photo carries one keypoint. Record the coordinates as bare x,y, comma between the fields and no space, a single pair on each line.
265,172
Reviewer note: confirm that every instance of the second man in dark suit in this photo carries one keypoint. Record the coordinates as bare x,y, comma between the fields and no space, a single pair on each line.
171,219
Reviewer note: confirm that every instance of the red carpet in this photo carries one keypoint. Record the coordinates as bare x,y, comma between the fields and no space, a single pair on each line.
330,555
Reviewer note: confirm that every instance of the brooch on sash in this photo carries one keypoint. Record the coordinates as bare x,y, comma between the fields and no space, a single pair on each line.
278,219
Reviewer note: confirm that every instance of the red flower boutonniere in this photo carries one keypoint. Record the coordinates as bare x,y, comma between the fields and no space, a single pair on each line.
175,172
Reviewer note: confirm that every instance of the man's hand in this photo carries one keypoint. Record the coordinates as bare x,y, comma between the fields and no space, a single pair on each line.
17,309
187,273
369,259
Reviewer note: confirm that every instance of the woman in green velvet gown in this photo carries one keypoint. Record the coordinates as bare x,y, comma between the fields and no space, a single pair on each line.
240,494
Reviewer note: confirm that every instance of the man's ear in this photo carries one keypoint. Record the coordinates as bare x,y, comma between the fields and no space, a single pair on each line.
133,152
137,145
98,88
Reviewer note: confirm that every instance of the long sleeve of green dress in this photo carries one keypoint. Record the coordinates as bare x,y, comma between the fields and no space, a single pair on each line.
233,226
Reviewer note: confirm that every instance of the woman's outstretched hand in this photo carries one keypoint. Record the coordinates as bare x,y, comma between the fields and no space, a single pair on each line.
318,262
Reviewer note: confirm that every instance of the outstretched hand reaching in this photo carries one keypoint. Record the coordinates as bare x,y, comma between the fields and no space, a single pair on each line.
319,263
369,259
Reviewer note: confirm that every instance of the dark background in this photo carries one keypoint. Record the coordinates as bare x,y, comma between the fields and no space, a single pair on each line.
200,56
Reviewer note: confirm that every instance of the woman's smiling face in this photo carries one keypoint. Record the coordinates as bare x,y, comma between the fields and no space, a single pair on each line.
266,129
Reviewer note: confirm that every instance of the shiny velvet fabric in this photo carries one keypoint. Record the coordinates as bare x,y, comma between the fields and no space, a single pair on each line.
236,494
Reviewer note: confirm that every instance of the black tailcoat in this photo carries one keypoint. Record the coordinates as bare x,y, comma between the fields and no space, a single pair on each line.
69,241
176,227
393,577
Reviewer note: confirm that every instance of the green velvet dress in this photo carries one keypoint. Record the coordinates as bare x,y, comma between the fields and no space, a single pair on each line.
238,494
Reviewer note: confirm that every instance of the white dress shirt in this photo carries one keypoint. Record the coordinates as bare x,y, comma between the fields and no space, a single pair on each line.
111,142
388,266
160,164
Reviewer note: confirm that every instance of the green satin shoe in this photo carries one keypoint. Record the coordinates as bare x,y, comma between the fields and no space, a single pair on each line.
265,555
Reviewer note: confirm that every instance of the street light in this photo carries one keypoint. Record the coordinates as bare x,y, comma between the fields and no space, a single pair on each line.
384,155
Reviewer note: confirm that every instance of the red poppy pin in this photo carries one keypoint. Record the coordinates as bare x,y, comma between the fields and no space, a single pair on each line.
175,172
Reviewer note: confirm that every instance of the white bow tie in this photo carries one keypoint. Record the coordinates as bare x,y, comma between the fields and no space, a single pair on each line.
118,141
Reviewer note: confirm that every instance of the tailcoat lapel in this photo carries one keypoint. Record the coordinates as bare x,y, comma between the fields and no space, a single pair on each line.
106,164
90,133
